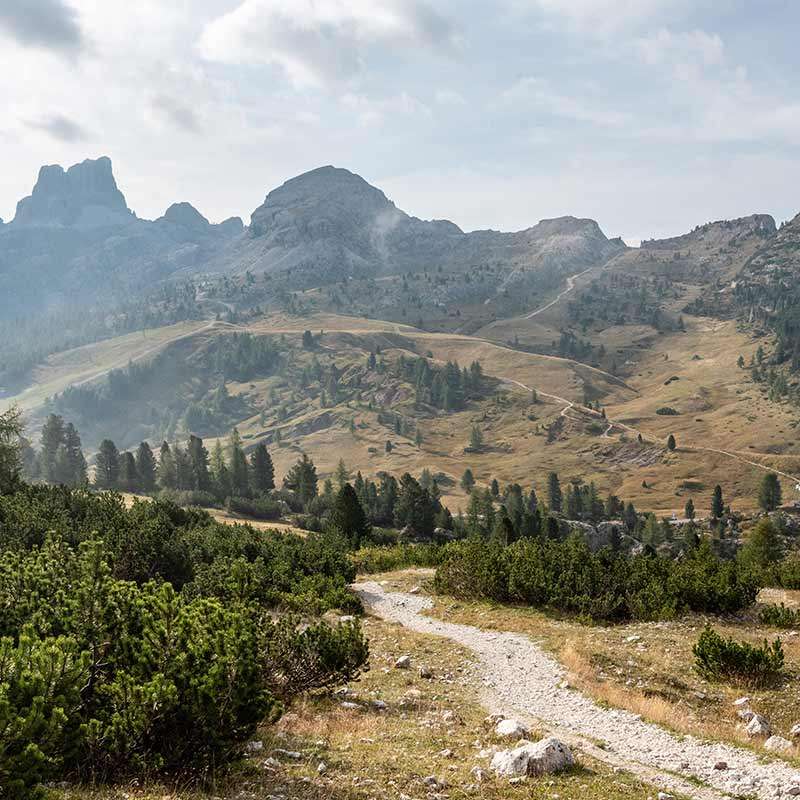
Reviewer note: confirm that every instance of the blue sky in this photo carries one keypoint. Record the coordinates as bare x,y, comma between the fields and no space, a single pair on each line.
651,116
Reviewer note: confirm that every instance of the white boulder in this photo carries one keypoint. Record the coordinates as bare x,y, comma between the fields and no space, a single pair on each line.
511,729
758,726
777,744
548,755
404,662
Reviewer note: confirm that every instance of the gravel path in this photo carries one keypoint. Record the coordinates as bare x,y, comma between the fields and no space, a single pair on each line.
520,679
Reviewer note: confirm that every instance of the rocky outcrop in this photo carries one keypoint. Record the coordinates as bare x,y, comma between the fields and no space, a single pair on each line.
84,196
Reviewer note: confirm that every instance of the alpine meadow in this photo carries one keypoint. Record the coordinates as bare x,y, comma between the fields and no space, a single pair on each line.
303,497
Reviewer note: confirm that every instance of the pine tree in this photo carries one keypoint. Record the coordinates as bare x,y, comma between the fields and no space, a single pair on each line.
671,443
106,475
717,504
494,487
302,480
128,476
75,460
769,492
10,437
762,546
220,475
688,509
467,480
240,473
554,496
146,467
342,474
347,517
198,457
52,439
631,518
167,470
262,470
475,438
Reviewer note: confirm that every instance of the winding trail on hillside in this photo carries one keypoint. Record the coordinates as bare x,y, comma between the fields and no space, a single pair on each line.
569,404
520,679
570,286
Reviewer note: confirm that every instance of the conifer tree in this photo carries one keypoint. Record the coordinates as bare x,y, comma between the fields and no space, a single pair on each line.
261,470
554,496
342,474
10,438
347,517
240,472
769,492
671,443
302,480
167,470
128,476
220,475
688,509
52,439
467,480
106,474
146,467
717,504
198,458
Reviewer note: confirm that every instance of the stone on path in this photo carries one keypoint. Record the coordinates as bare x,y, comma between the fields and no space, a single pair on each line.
548,755
511,729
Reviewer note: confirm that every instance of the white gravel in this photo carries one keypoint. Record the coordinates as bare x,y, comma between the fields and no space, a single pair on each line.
521,678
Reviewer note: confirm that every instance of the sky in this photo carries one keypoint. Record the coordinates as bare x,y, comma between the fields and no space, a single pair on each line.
650,116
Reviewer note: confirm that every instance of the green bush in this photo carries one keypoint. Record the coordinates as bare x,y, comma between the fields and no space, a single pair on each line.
264,508
135,641
369,560
40,685
566,576
724,660
780,616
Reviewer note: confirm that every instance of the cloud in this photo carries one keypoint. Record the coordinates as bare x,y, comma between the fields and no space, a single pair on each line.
52,24
683,49
59,127
318,43
536,94
176,113
598,17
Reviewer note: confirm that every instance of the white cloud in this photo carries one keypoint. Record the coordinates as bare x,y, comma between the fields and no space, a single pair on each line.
599,17
536,94
686,49
318,43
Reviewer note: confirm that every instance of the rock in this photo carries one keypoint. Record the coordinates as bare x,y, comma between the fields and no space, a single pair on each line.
721,765
795,731
546,756
746,714
665,796
511,729
255,746
758,726
793,791
478,773
414,590
292,755
446,753
347,618
432,782
742,701
404,662
426,672
322,768
777,744
270,763
379,705
350,706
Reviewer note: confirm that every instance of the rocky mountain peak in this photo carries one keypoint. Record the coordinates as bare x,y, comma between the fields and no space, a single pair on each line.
85,195
185,214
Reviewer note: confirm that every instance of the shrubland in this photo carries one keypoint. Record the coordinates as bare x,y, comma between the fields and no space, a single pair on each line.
150,639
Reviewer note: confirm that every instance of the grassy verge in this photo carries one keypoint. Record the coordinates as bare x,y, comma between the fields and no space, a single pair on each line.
372,752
